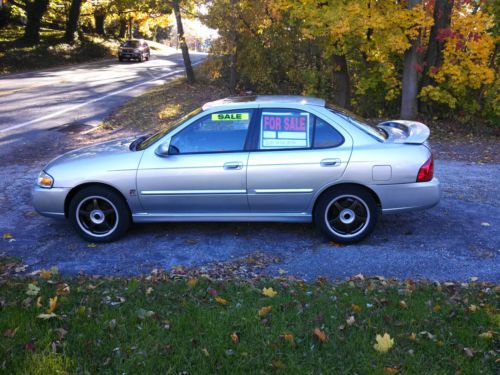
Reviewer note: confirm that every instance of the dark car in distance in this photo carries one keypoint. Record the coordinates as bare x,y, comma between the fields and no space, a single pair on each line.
134,49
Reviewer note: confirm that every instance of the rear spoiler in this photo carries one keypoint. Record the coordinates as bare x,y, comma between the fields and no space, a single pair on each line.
403,131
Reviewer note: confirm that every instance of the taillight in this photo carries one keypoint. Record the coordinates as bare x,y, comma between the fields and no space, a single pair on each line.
426,171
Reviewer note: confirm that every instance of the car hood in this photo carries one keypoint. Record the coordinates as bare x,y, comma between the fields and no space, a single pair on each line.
97,151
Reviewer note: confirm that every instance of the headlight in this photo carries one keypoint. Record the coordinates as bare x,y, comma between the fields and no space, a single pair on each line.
45,180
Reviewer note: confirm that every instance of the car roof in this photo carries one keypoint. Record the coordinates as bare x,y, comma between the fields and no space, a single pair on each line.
265,99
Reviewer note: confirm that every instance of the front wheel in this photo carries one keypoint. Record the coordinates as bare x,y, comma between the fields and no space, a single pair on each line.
99,214
346,215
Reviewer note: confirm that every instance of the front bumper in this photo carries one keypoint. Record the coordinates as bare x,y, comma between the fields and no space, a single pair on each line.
49,202
408,197
130,55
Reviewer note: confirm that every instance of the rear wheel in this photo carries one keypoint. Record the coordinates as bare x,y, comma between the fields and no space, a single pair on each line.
346,215
99,214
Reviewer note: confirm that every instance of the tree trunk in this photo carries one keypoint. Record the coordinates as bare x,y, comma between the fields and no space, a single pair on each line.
72,24
130,24
233,73
409,103
123,28
182,41
34,13
99,17
434,55
341,83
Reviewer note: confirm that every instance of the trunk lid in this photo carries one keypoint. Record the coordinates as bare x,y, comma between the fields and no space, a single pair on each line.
403,131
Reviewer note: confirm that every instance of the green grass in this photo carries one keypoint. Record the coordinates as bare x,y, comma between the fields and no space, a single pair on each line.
163,325
51,51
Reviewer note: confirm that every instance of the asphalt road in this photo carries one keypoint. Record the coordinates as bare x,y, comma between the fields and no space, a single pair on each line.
85,93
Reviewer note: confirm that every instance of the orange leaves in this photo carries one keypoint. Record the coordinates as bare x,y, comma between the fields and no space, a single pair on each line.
235,338
221,301
265,310
192,282
321,335
356,308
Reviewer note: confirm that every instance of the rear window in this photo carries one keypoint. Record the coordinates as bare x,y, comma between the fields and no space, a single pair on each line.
325,136
358,121
132,43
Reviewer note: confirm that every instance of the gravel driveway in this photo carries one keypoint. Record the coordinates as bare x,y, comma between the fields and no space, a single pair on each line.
458,239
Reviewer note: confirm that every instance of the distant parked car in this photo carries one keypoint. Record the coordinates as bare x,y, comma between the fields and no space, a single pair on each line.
134,49
253,158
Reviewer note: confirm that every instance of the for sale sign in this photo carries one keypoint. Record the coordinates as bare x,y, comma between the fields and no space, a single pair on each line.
284,130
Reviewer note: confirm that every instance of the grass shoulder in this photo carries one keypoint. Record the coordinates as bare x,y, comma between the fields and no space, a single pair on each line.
189,322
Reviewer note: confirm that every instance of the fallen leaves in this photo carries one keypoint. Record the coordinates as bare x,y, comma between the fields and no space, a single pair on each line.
384,343
7,236
32,290
235,338
290,338
486,335
192,282
52,305
321,335
221,301
356,308
46,316
10,333
62,289
269,292
265,310
351,320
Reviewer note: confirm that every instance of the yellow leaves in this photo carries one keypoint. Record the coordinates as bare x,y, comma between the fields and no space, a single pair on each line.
321,335
472,308
7,236
235,338
384,343
192,282
356,308
221,301
436,308
269,292
45,274
413,336
39,302
32,290
52,305
265,310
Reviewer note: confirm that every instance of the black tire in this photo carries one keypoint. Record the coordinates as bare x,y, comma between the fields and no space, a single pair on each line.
148,56
99,214
346,214
120,59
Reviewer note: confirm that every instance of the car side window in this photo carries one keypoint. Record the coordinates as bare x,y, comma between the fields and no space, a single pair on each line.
218,132
325,135
285,129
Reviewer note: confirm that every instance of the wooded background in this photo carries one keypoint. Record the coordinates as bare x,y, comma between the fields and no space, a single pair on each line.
411,58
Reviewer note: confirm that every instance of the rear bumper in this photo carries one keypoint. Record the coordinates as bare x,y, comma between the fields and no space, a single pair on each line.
49,202
408,197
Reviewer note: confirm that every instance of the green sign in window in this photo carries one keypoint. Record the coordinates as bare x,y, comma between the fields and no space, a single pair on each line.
230,116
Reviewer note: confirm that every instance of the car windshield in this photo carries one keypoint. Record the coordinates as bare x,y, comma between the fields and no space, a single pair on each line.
132,43
358,121
160,134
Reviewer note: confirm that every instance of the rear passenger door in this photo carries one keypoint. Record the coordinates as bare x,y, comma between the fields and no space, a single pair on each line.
295,154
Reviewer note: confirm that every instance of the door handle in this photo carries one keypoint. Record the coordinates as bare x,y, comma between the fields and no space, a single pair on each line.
233,165
330,162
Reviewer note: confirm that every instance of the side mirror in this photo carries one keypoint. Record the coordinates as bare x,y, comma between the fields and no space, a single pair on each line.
162,150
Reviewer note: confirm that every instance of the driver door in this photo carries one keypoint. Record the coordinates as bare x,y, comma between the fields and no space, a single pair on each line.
205,171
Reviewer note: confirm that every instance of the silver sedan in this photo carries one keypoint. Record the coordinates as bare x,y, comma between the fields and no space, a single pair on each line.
252,158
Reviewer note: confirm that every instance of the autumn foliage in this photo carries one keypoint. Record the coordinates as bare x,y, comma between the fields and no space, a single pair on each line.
352,52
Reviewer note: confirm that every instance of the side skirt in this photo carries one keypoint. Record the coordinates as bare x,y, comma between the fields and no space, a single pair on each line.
205,217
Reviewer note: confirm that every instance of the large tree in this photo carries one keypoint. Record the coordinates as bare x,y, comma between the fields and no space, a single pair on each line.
409,102
35,9
72,23
182,41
